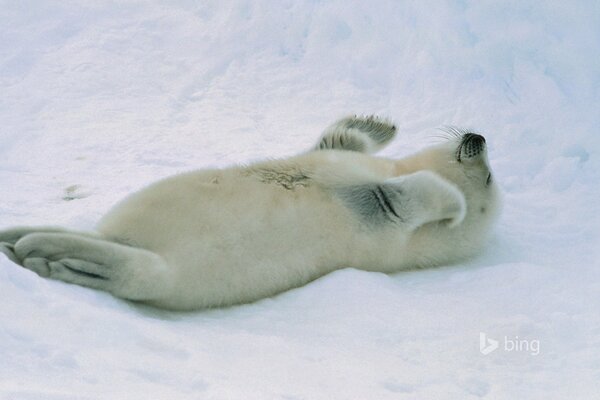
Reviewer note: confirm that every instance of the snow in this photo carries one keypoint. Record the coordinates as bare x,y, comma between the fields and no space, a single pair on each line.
98,99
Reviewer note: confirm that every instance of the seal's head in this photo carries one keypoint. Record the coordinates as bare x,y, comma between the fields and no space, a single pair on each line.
462,159
473,174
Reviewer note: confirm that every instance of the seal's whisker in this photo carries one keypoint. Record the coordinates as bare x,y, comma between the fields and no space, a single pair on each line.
442,137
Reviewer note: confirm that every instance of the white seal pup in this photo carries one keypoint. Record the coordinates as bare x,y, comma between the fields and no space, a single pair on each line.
226,236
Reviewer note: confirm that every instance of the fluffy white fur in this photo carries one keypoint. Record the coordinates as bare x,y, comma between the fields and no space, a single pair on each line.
220,237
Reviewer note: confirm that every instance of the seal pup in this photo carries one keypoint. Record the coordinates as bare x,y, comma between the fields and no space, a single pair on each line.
219,237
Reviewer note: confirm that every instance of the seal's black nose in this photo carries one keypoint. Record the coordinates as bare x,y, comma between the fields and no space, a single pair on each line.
471,145
473,137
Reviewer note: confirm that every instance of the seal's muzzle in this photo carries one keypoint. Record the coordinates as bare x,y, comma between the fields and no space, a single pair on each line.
471,145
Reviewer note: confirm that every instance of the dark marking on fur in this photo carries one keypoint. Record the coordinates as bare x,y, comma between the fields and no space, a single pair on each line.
385,200
288,177
375,203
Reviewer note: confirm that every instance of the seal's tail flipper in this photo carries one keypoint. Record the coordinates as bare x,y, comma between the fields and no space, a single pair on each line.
127,272
362,134
9,237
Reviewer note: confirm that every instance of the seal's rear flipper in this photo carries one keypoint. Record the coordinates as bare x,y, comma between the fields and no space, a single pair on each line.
8,237
127,272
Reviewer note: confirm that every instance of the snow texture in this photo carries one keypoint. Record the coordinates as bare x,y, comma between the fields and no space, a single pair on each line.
100,98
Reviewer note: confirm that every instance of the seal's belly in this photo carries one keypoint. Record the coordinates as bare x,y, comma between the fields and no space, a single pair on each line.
230,216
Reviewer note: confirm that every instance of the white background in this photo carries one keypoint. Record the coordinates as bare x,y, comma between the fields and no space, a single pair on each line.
99,99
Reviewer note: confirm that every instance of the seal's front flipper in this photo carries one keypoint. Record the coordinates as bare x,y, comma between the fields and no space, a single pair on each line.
409,201
430,198
360,134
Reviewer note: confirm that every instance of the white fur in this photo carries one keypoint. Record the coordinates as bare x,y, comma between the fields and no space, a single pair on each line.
221,237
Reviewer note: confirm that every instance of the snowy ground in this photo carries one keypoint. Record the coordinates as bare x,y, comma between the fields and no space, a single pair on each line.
97,100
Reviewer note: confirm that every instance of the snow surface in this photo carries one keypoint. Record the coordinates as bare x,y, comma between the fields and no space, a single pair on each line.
100,98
